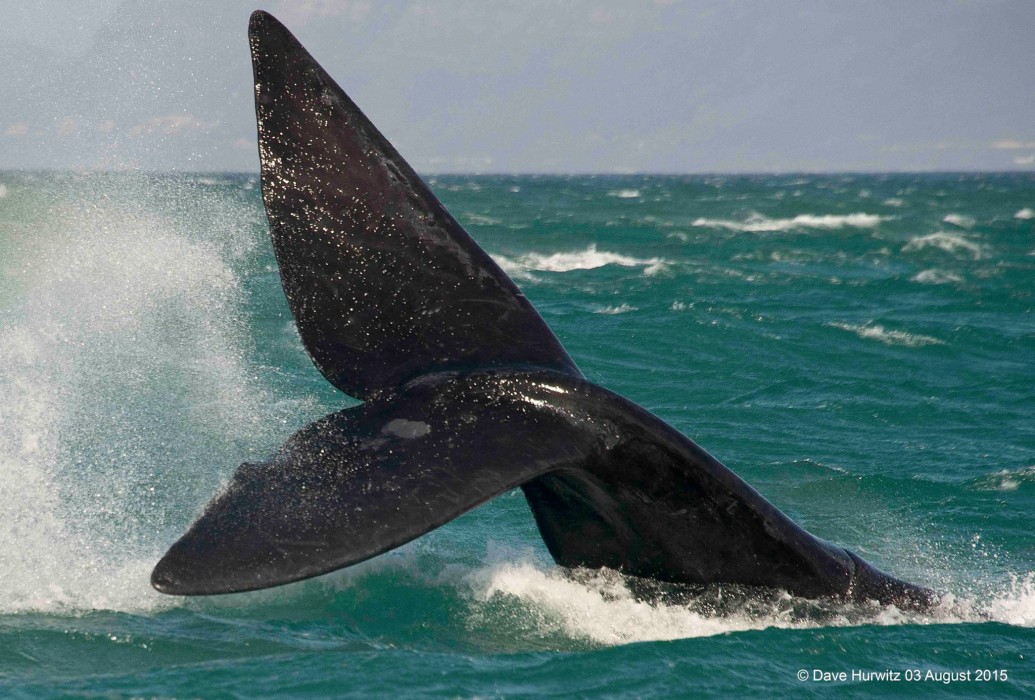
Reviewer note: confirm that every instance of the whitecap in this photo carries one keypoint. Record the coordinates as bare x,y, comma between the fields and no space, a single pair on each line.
1025,214
960,220
935,276
888,337
949,242
587,259
615,310
1006,479
480,220
894,202
624,194
759,223
3,190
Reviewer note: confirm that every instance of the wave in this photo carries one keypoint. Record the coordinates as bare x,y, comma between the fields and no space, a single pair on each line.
614,310
1005,479
960,220
935,277
480,220
949,242
3,190
881,334
759,223
588,259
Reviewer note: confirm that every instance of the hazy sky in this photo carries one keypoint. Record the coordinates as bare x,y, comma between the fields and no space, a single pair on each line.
538,85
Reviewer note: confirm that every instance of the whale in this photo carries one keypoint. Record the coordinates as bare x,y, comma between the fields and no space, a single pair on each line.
465,394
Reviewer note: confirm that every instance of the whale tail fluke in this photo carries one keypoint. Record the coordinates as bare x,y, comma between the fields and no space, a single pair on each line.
467,394
383,282
366,480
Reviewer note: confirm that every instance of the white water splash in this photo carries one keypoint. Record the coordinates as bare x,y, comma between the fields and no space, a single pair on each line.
1025,214
600,607
124,379
1013,606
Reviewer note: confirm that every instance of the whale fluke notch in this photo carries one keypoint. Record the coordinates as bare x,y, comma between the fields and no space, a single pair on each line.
467,394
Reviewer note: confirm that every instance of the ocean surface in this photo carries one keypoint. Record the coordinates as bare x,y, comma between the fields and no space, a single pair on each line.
859,348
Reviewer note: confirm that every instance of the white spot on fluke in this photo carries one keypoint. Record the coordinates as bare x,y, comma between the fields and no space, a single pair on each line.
400,427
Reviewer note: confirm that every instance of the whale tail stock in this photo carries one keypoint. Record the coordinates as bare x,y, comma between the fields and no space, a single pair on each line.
467,394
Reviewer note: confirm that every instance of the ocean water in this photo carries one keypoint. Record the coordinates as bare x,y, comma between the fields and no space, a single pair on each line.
859,348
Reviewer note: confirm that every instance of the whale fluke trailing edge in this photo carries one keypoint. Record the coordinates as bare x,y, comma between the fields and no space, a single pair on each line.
466,394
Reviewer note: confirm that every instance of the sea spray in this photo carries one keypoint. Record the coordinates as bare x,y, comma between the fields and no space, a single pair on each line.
127,386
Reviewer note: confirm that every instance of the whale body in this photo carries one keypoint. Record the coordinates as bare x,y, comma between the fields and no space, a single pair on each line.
466,394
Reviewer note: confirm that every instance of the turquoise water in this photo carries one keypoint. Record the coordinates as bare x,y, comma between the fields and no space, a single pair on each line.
861,349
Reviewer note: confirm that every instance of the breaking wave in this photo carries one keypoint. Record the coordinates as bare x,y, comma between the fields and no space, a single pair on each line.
615,310
935,277
1005,479
588,259
888,337
759,223
960,220
949,242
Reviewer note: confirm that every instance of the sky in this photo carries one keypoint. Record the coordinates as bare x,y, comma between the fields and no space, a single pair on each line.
538,86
